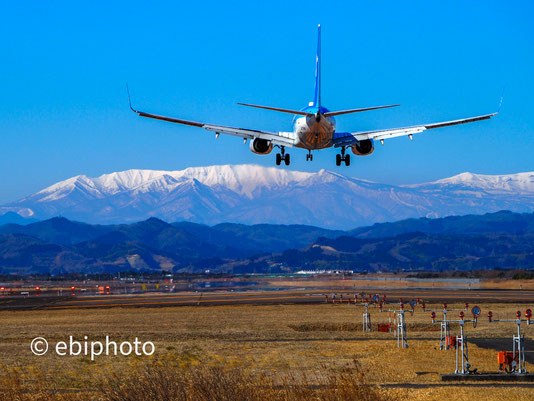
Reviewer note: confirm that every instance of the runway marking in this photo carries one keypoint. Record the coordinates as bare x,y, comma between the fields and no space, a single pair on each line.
408,292
196,295
192,302
169,302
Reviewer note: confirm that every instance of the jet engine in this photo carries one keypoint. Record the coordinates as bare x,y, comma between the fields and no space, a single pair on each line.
363,148
261,146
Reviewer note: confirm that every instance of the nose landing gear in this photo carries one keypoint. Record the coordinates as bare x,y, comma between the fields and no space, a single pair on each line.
282,156
342,158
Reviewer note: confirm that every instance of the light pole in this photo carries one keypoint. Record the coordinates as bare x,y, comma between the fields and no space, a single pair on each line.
462,354
517,364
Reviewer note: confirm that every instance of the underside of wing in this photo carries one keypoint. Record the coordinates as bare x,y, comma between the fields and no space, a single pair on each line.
277,138
347,139
280,138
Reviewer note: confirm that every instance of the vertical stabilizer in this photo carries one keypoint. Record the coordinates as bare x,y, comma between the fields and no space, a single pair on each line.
317,98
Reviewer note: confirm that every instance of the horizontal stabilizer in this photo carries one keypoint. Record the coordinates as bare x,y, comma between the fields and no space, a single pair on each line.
337,113
300,113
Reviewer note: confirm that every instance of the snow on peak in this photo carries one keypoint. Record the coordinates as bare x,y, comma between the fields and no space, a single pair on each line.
255,194
250,179
126,180
520,182
242,179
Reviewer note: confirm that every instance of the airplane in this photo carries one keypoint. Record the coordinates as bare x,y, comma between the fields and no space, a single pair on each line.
314,127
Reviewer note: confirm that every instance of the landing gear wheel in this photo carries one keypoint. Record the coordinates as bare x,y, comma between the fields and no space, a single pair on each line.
282,156
342,158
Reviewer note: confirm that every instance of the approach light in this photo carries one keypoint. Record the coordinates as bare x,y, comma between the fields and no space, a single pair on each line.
475,311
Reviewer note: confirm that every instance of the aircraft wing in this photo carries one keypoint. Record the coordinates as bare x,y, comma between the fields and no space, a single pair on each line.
348,138
277,138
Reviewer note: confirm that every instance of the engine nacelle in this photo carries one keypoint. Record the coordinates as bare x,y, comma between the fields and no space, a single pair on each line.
363,148
261,146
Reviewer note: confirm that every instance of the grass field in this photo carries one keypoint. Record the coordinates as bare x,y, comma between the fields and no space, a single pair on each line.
281,351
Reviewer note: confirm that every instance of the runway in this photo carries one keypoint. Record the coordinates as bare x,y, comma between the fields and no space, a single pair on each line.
284,297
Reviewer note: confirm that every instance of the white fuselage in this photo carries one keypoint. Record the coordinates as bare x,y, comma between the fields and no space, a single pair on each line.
313,134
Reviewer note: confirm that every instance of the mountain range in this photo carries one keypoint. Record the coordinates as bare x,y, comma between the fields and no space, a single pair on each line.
58,245
251,194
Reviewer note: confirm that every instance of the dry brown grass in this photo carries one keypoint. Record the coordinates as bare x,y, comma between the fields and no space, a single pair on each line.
17,385
163,382
306,345
328,327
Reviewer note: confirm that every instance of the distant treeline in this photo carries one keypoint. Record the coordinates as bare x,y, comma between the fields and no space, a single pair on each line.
59,247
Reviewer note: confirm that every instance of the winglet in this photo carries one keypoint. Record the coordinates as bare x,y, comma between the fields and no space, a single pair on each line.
502,97
129,100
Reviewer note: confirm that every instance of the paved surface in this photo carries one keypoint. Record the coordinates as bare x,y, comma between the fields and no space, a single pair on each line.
489,377
278,297
506,343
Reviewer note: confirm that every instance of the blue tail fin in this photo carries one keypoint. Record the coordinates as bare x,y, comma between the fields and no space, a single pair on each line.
317,98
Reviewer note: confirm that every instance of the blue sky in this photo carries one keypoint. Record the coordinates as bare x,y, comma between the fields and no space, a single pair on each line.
64,110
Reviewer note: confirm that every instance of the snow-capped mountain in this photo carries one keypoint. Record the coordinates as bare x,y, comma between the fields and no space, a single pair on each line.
252,194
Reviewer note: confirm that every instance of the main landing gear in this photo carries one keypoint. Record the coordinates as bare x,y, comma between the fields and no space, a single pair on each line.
309,156
342,158
282,156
